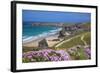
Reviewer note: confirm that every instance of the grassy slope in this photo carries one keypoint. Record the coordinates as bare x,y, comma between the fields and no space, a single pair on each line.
76,41
87,38
87,25
71,43
79,55
82,54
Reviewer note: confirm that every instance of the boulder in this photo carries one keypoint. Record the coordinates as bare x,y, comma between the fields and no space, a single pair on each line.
62,33
43,44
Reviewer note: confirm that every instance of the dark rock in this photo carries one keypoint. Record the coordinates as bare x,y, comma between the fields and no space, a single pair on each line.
56,40
62,33
43,44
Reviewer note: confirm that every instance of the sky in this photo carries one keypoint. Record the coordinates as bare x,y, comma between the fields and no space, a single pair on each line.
55,16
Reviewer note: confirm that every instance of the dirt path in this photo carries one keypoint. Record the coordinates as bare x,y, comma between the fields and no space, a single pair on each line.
66,40
82,38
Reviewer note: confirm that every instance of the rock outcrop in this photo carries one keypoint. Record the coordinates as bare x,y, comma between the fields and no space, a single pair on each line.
43,44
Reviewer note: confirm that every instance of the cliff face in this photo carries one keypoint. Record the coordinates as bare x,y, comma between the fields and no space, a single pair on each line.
47,24
81,26
66,26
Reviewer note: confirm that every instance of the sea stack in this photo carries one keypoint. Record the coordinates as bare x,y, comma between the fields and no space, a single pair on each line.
62,33
43,44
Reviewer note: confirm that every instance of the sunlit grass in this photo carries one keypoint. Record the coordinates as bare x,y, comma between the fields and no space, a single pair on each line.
76,41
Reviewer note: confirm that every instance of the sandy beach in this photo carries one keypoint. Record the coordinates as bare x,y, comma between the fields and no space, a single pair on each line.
50,40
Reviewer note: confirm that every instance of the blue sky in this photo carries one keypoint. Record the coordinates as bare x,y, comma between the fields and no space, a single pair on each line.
54,16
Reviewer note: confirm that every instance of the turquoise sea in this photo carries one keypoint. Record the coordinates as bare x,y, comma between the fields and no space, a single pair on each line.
35,32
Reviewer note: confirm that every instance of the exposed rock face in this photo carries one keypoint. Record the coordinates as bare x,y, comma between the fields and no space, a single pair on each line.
47,24
76,27
73,27
62,33
43,44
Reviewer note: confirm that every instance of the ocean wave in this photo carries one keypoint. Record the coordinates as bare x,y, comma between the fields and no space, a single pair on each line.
43,35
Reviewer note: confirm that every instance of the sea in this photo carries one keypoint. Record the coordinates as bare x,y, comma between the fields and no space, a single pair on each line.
31,32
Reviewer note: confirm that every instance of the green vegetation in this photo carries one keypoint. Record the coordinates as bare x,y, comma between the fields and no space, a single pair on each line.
27,49
79,54
82,54
70,36
76,41
86,25
25,60
71,43
87,38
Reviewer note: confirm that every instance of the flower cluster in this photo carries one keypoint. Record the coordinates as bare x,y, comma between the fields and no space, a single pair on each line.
80,52
45,55
88,52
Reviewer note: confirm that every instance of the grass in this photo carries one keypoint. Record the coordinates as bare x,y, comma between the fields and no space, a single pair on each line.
87,38
79,55
86,25
75,41
70,36
82,55
27,49
71,43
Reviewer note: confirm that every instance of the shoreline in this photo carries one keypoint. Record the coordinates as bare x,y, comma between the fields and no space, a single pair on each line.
49,39
42,35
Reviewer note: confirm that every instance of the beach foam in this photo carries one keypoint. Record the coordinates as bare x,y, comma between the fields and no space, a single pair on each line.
27,39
